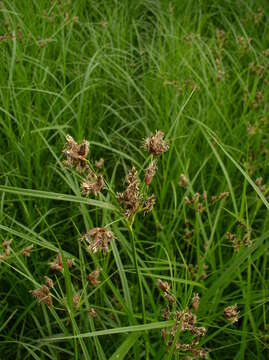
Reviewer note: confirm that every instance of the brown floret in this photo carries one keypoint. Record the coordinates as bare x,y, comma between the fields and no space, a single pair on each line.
76,154
42,295
98,239
155,144
150,172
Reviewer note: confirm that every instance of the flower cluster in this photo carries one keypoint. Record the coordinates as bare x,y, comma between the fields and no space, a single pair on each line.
155,144
185,321
98,239
231,313
76,154
57,263
43,295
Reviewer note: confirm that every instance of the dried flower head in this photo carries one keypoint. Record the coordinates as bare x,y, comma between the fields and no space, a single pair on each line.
163,285
27,250
57,263
150,172
130,198
98,239
93,184
76,299
49,282
183,181
224,195
166,313
187,320
70,263
99,163
200,208
231,313
187,201
169,297
76,154
92,313
42,295
6,246
196,197
93,277
213,199
195,302
149,204
155,144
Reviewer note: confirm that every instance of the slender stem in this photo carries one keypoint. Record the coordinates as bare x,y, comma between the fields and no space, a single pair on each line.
138,273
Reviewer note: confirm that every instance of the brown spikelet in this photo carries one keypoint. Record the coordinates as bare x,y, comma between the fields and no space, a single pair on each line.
169,297
155,144
93,277
149,204
49,282
195,301
183,181
70,263
57,263
98,239
76,154
99,163
76,299
130,198
93,184
150,172
231,313
224,195
27,250
163,285
6,246
42,295
92,313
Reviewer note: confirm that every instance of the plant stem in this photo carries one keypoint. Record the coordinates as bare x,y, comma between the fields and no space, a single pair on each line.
138,273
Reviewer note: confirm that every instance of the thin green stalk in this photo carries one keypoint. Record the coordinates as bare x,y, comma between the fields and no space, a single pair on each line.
137,272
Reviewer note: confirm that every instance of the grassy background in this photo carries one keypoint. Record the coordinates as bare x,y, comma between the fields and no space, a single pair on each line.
113,72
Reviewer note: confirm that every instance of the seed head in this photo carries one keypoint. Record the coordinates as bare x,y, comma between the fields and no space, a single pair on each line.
92,313
170,298
93,277
130,198
195,301
200,208
76,154
163,285
149,204
76,299
98,239
99,163
231,313
27,250
42,295
183,181
49,282
224,195
6,246
93,184
150,172
57,264
155,144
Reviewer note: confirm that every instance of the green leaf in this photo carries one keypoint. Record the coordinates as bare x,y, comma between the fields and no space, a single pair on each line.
124,348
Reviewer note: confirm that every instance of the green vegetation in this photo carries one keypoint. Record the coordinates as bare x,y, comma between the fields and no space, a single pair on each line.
114,72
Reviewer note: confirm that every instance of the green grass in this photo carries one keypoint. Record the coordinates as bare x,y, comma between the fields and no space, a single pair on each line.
113,72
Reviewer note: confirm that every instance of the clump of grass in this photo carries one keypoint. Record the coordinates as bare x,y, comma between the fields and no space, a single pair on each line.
112,73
